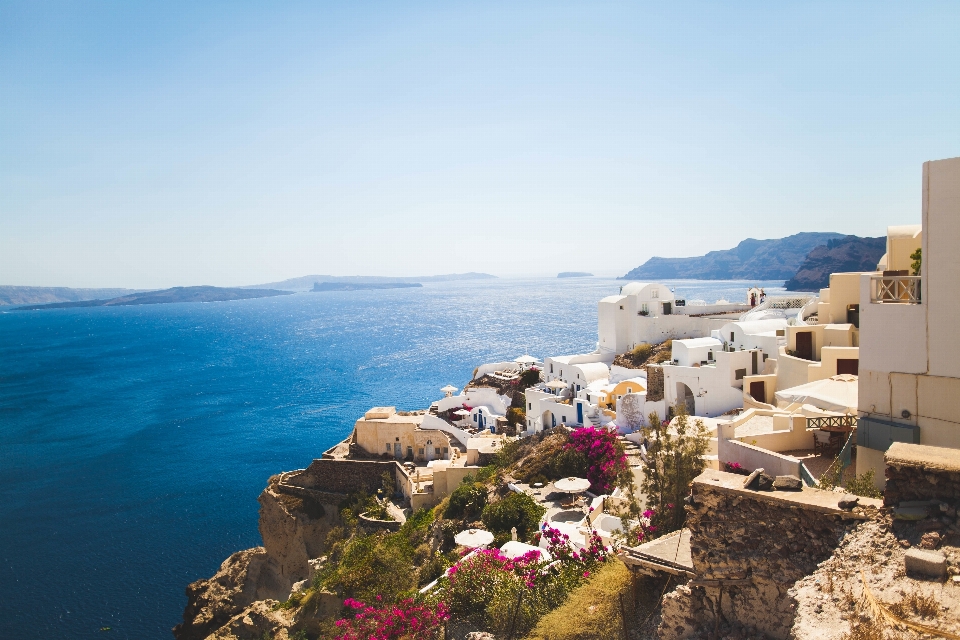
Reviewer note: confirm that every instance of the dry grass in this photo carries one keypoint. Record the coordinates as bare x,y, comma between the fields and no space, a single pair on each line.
916,604
592,610
868,629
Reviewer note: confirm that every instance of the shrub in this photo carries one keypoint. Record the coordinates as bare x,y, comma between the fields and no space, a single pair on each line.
529,377
517,415
366,567
402,621
467,500
515,510
642,352
569,462
605,456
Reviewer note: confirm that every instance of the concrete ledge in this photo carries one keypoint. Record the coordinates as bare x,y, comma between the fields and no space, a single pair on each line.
921,455
808,498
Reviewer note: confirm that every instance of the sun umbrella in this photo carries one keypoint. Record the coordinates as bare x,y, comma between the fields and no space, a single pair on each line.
461,412
556,384
572,485
838,393
515,549
526,360
473,538
449,389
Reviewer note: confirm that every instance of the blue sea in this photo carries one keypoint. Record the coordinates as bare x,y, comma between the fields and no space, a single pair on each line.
134,441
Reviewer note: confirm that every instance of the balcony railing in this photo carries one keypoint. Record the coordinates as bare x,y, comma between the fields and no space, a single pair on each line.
833,423
890,289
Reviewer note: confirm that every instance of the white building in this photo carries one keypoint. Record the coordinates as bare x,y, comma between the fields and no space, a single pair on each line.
707,379
909,346
647,312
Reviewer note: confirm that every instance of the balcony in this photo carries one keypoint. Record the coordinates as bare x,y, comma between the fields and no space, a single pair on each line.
892,288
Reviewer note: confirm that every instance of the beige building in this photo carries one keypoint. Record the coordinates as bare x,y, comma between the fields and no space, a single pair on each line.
383,431
909,341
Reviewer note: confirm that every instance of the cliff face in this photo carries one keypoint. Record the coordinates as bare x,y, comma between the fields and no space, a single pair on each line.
231,603
837,256
750,260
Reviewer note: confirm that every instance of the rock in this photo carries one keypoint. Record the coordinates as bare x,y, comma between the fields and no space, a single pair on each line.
930,524
905,544
764,482
911,514
299,586
788,483
930,540
752,477
927,563
848,503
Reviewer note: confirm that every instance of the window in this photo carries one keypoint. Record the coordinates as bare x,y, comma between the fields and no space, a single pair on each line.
530,406
410,451
655,294
474,417
551,367
629,389
621,307
781,333
644,309
388,447
738,375
709,355
446,451
436,450
421,450
731,336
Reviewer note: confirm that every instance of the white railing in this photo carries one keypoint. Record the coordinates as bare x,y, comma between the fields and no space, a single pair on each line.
895,289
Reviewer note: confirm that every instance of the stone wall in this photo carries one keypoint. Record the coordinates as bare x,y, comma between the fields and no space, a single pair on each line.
748,548
920,472
654,383
345,476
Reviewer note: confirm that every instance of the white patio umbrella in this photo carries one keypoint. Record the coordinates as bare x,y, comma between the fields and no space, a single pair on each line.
461,412
838,393
525,359
449,390
572,485
556,384
473,538
515,549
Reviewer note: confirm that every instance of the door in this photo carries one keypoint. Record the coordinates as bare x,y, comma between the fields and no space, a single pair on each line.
753,360
805,345
758,391
397,450
667,308
579,413
848,365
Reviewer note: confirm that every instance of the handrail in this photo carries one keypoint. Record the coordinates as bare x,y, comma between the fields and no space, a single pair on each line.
895,289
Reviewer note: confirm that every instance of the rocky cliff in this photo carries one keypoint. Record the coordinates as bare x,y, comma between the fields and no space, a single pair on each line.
238,601
841,255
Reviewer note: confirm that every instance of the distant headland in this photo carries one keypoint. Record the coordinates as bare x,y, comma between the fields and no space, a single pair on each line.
574,274
305,283
166,296
361,286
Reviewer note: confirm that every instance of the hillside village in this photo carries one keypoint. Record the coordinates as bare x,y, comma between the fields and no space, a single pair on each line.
822,435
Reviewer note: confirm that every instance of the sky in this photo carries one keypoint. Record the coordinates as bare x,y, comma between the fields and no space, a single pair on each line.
162,144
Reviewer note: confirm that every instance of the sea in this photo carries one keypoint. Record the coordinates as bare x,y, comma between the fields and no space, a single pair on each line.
134,441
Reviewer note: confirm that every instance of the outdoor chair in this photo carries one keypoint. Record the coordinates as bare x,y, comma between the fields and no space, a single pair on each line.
822,442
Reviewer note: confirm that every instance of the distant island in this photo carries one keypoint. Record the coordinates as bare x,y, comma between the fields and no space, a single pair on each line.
166,296
12,295
750,260
574,274
850,253
305,283
361,286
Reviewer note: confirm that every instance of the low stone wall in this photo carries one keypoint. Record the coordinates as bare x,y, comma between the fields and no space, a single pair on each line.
345,476
748,548
372,524
921,472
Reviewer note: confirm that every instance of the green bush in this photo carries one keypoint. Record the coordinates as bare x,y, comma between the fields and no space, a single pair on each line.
642,351
569,462
467,500
515,510
529,378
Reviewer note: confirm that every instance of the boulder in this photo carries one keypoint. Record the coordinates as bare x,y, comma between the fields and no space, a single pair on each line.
848,503
765,482
930,540
928,563
788,483
750,479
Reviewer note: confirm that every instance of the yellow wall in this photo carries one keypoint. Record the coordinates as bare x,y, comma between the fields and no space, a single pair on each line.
374,435
769,389
844,290
901,242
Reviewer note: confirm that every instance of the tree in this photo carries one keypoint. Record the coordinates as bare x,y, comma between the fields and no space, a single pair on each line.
675,459
917,257
515,510
467,500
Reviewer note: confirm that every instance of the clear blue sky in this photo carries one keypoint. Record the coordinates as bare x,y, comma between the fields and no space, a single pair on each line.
157,144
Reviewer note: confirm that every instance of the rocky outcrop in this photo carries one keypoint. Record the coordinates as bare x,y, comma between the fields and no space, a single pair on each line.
749,548
294,523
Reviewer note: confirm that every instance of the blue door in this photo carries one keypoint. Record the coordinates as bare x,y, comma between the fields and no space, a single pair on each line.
580,413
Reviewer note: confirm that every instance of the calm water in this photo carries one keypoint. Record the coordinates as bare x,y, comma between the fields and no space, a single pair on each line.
134,441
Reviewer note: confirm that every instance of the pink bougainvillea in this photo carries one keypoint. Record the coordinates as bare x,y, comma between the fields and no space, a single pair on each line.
406,619
605,456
